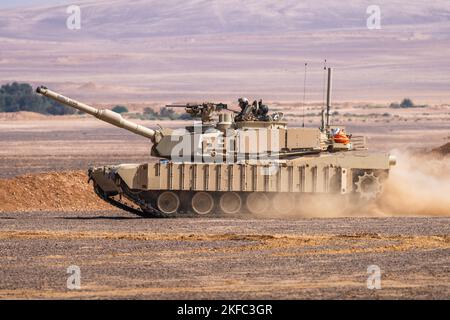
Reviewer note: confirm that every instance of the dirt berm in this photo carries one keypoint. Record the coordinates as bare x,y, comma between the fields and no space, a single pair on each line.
61,191
442,150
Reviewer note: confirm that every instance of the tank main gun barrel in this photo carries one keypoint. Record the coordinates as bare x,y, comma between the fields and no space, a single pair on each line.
103,114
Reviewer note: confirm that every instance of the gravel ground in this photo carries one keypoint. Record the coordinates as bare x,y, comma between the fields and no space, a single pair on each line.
122,256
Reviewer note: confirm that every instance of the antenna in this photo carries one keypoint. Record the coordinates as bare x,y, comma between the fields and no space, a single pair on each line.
328,97
322,126
323,83
304,95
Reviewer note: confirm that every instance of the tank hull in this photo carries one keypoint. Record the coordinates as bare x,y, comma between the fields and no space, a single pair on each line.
168,187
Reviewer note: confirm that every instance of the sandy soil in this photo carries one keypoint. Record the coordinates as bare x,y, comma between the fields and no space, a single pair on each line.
61,191
126,257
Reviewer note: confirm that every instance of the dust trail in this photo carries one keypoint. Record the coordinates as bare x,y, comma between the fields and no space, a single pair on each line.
417,185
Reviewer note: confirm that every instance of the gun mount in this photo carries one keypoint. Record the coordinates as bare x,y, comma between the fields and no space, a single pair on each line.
204,110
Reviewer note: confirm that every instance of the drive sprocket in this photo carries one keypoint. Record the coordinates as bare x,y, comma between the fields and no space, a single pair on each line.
369,186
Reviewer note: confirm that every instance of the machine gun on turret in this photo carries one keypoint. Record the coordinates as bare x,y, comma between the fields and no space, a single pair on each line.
204,110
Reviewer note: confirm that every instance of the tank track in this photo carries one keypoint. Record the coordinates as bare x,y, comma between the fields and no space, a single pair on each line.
120,204
148,212
133,202
144,209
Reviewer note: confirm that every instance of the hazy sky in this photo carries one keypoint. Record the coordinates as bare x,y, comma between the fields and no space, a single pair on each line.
19,3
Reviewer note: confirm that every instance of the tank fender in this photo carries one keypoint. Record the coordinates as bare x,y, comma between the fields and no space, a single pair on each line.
104,178
135,176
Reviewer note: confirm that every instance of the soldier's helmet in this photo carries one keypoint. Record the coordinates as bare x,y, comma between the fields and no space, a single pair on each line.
243,102
263,109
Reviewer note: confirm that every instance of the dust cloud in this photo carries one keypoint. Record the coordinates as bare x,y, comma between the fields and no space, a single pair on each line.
417,185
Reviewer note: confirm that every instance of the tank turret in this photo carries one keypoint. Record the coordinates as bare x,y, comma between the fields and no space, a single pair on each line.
249,134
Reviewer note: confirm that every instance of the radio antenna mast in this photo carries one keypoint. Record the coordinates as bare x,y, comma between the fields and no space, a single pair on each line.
323,82
322,127
304,95
328,97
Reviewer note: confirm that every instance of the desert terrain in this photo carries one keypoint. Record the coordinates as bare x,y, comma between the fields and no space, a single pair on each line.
50,219
121,256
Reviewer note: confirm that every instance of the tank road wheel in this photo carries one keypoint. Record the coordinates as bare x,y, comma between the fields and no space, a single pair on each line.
202,202
368,186
168,202
230,203
257,202
283,203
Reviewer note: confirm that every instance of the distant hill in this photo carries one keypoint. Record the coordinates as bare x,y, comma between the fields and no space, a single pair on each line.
154,18
442,150
201,49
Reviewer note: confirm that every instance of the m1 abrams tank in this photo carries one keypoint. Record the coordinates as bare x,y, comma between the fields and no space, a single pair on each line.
249,162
